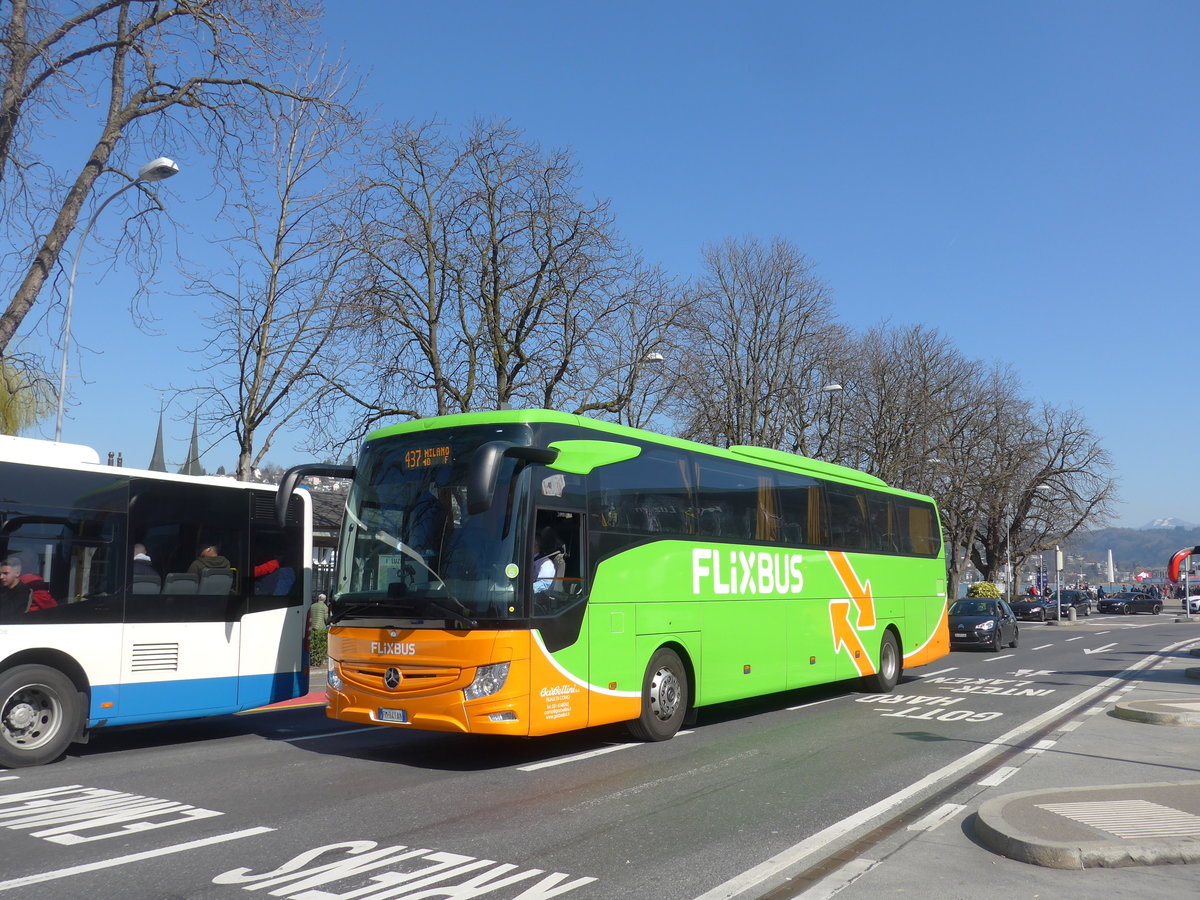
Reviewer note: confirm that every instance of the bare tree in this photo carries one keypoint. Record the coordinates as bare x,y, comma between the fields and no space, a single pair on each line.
911,395
279,305
489,281
761,341
193,70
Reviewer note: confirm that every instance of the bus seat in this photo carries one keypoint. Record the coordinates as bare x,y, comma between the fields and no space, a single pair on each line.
146,584
216,581
276,584
181,583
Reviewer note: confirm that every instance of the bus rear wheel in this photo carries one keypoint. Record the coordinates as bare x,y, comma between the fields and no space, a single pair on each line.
888,674
664,698
39,714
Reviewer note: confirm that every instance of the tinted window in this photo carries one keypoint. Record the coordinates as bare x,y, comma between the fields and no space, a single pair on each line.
647,495
847,517
68,562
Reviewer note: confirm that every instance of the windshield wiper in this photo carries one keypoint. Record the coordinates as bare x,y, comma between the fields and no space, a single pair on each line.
413,607
451,615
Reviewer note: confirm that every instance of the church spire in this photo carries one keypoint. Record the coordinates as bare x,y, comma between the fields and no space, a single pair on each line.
158,462
191,466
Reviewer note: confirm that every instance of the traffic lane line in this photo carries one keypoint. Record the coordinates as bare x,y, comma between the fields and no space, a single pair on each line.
780,863
27,880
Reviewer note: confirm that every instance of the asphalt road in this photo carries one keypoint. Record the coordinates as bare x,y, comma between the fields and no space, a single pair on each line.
287,803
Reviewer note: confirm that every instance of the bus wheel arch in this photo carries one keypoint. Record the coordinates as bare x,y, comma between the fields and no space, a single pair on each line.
891,664
667,695
41,713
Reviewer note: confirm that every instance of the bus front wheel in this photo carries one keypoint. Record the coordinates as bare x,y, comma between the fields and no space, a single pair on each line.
39,715
664,698
888,674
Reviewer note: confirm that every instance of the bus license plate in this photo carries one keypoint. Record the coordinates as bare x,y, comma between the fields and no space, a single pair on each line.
399,716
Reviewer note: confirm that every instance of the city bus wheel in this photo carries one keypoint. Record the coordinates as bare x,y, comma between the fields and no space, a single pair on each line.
889,667
664,698
39,714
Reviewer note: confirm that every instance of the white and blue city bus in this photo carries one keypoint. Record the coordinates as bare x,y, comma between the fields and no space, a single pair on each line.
89,639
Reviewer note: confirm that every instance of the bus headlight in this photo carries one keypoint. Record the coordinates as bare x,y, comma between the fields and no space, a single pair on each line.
488,680
331,676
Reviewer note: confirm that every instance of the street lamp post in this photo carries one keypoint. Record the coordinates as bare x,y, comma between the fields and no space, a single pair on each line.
831,389
155,170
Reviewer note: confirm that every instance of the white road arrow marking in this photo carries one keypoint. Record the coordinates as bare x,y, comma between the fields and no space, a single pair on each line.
1099,649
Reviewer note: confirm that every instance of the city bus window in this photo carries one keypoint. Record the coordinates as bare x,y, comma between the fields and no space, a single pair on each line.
800,509
882,516
923,538
728,500
62,568
847,517
646,495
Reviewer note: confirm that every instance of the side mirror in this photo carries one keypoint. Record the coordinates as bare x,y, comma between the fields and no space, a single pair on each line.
294,474
485,469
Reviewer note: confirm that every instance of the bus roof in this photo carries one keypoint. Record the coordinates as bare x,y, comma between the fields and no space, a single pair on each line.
35,452
776,459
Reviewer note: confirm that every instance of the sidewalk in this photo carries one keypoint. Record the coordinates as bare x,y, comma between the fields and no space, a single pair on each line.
314,697
1108,806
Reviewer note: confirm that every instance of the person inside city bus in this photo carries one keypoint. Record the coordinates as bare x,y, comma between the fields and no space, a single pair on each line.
209,558
23,591
548,560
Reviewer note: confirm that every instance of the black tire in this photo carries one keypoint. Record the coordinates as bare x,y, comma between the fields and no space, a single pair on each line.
40,713
1041,615
890,666
1127,609
1157,608
998,639
664,698
1016,636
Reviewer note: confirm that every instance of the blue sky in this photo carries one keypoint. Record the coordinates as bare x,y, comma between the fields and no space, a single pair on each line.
1022,176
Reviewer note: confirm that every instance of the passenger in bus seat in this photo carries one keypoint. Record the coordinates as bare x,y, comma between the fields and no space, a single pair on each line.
142,564
16,578
209,557
14,596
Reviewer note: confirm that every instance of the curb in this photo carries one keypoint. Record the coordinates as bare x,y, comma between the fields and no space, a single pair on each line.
1160,712
994,831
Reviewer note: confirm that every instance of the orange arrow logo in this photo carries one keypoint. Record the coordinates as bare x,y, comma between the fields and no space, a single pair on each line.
859,592
844,635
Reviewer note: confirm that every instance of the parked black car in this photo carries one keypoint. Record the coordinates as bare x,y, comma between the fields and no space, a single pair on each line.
1128,602
1037,609
1078,600
976,622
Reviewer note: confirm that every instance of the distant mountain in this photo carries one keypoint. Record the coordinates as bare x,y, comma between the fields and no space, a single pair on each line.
1168,522
1134,546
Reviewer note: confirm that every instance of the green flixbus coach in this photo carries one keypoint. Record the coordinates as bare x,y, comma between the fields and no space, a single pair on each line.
531,572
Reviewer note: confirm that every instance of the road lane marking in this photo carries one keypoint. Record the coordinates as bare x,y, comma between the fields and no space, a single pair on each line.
1001,775
814,703
938,672
578,757
1005,656
313,737
943,813
131,858
1099,649
1043,647
785,860
1040,746
1079,638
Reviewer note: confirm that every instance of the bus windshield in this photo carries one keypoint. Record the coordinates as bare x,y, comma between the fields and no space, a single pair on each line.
410,549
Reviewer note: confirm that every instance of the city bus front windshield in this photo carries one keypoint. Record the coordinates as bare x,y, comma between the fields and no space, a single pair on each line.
410,552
